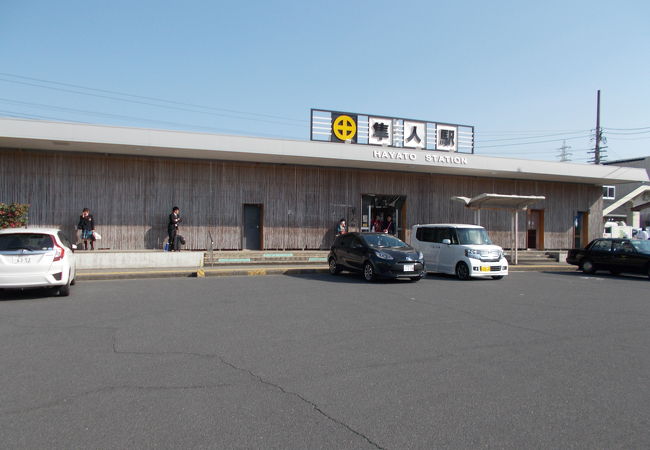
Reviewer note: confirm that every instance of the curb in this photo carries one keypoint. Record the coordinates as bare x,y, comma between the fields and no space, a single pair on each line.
254,271
198,273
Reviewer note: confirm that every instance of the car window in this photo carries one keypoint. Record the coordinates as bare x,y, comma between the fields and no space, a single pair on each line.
642,246
64,239
473,236
602,246
623,247
344,241
355,242
447,233
426,234
383,241
26,241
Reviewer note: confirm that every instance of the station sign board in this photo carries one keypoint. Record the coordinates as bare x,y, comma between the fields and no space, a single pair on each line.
369,129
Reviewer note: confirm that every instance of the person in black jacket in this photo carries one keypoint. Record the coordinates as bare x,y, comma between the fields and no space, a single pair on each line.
172,227
389,225
87,226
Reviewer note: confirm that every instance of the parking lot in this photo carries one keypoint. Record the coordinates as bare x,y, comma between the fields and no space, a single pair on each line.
544,360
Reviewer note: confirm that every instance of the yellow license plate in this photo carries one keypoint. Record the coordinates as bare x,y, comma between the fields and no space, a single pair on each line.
485,269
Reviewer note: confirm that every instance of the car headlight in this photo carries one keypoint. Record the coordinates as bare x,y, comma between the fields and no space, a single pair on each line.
383,255
420,255
471,253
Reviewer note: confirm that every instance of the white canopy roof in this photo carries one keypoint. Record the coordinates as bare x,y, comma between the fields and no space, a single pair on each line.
500,201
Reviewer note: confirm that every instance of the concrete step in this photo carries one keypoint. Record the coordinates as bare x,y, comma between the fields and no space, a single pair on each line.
266,257
537,256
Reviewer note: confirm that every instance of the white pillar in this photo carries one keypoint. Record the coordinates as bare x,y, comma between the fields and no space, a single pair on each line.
516,236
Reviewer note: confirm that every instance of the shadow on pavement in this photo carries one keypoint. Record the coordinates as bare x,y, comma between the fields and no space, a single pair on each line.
356,278
602,275
27,294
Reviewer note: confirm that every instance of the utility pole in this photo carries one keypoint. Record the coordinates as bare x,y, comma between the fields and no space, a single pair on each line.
598,151
564,155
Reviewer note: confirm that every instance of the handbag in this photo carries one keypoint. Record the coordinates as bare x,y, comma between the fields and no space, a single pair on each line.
97,236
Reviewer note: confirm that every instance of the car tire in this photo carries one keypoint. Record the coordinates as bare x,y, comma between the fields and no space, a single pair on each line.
497,277
462,271
368,272
64,291
588,267
333,267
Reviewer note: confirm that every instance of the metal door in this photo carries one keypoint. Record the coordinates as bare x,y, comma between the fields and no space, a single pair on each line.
252,227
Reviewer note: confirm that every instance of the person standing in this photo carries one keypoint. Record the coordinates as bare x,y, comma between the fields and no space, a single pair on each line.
376,225
172,227
87,226
341,228
642,234
389,225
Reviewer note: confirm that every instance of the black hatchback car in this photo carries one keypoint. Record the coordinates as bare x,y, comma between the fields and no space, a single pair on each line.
375,255
615,255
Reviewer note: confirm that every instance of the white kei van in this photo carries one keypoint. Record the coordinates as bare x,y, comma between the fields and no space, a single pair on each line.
464,250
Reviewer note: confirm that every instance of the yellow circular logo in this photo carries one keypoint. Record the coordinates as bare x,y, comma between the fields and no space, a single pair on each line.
344,127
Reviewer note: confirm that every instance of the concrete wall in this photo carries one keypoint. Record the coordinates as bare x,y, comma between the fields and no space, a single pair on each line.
138,259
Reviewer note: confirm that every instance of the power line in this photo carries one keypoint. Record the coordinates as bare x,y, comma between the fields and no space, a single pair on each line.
130,118
168,104
531,143
532,137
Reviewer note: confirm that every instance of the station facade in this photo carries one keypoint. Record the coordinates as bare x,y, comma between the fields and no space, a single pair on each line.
258,193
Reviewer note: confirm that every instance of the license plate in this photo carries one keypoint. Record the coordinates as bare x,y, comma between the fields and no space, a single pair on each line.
485,268
22,259
409,267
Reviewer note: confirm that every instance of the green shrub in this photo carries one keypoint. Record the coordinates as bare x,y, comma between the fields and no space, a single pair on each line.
13,215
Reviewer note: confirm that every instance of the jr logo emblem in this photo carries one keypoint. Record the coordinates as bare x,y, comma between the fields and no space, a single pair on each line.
344,127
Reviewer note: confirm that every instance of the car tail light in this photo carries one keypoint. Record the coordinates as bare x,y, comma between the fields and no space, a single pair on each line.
59,251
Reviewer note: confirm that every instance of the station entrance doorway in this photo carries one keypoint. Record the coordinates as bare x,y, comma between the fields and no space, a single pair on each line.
377,207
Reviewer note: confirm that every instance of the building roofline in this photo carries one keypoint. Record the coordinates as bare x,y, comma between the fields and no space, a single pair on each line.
76,137
618,161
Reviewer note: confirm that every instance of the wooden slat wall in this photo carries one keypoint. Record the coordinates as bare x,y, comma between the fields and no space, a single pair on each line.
131,197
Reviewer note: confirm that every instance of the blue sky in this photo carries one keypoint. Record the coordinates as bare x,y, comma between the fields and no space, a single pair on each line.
520,72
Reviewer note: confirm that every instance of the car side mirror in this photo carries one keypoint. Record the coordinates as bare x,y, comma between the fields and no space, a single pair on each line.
446,241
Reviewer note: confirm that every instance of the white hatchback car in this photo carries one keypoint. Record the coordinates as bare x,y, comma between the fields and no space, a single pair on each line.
36,257
463,250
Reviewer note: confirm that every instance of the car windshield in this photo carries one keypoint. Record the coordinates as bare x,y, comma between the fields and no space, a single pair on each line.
382,240
25,241
473,236
641,246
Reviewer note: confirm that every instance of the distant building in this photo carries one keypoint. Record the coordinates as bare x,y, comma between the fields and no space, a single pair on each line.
629,202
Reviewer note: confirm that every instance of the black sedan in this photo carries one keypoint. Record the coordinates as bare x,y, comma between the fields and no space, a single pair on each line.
375,255
615,255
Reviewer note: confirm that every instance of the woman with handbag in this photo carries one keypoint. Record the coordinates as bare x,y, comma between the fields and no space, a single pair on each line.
87,227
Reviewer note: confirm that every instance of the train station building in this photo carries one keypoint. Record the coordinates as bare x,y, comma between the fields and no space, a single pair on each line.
239,192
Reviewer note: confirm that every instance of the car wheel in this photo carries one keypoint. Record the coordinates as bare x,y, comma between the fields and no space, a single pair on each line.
462,271
497,277
333,267
368,272
64,291
588,267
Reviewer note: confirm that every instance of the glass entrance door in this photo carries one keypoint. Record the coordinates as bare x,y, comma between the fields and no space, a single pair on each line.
376,209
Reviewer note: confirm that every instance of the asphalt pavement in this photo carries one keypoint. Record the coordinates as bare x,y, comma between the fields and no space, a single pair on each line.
541,360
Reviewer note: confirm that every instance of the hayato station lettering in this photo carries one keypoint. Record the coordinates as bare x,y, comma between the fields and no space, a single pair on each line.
408,156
